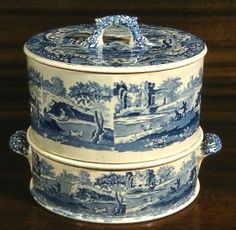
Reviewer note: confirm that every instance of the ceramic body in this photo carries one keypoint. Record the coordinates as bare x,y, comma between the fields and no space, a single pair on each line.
115,108
111,193
114,196
111,114
99,92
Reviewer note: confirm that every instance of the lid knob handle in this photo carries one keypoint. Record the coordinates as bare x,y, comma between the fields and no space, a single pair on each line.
137,39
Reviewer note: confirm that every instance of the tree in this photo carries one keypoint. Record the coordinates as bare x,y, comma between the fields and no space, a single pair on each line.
165,173
84,178
58,87
189,164
94,96
114,183
42,167
47,169
36,164
195,81
66,181
188,170
74,183
170,88
151,178
144,179
99,120
90,92
35,77
35,110
35,83
47,85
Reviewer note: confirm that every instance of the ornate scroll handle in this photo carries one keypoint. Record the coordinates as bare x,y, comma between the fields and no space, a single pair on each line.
18,143
137,39
211,144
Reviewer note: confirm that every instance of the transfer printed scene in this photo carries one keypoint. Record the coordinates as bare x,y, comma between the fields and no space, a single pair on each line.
137,116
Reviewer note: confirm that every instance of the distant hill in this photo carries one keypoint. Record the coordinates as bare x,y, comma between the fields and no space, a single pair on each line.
60,109
91,195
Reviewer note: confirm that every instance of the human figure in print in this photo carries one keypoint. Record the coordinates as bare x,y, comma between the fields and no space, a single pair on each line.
177,115
184,107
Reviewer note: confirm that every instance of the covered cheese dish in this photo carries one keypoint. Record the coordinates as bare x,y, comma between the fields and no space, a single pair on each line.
115,110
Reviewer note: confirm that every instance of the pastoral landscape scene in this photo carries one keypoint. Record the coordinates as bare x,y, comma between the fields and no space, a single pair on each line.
114,194
125,117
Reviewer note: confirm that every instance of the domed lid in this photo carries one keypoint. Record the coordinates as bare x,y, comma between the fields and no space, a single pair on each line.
115,44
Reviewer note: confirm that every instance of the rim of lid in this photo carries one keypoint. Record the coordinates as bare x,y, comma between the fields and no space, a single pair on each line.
113,69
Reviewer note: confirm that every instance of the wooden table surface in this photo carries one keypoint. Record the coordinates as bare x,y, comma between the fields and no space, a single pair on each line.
214,21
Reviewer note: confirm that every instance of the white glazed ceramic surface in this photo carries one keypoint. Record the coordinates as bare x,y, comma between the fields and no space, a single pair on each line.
108,157
95,116
111,196
115,109
114,90
114,193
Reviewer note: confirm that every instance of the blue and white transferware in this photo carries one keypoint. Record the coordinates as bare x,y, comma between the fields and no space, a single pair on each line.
114,193
114,88
115,110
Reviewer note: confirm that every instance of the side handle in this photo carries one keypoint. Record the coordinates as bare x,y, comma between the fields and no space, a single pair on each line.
19,144
211,144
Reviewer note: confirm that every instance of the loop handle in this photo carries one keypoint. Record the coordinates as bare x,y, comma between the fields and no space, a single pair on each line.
137,39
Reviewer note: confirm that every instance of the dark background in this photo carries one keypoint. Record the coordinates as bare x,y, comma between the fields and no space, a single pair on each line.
214,21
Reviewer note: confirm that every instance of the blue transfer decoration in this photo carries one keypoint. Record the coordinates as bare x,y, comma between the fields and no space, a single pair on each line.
211,143
79,44
116,20
113,195
18,143
145,116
